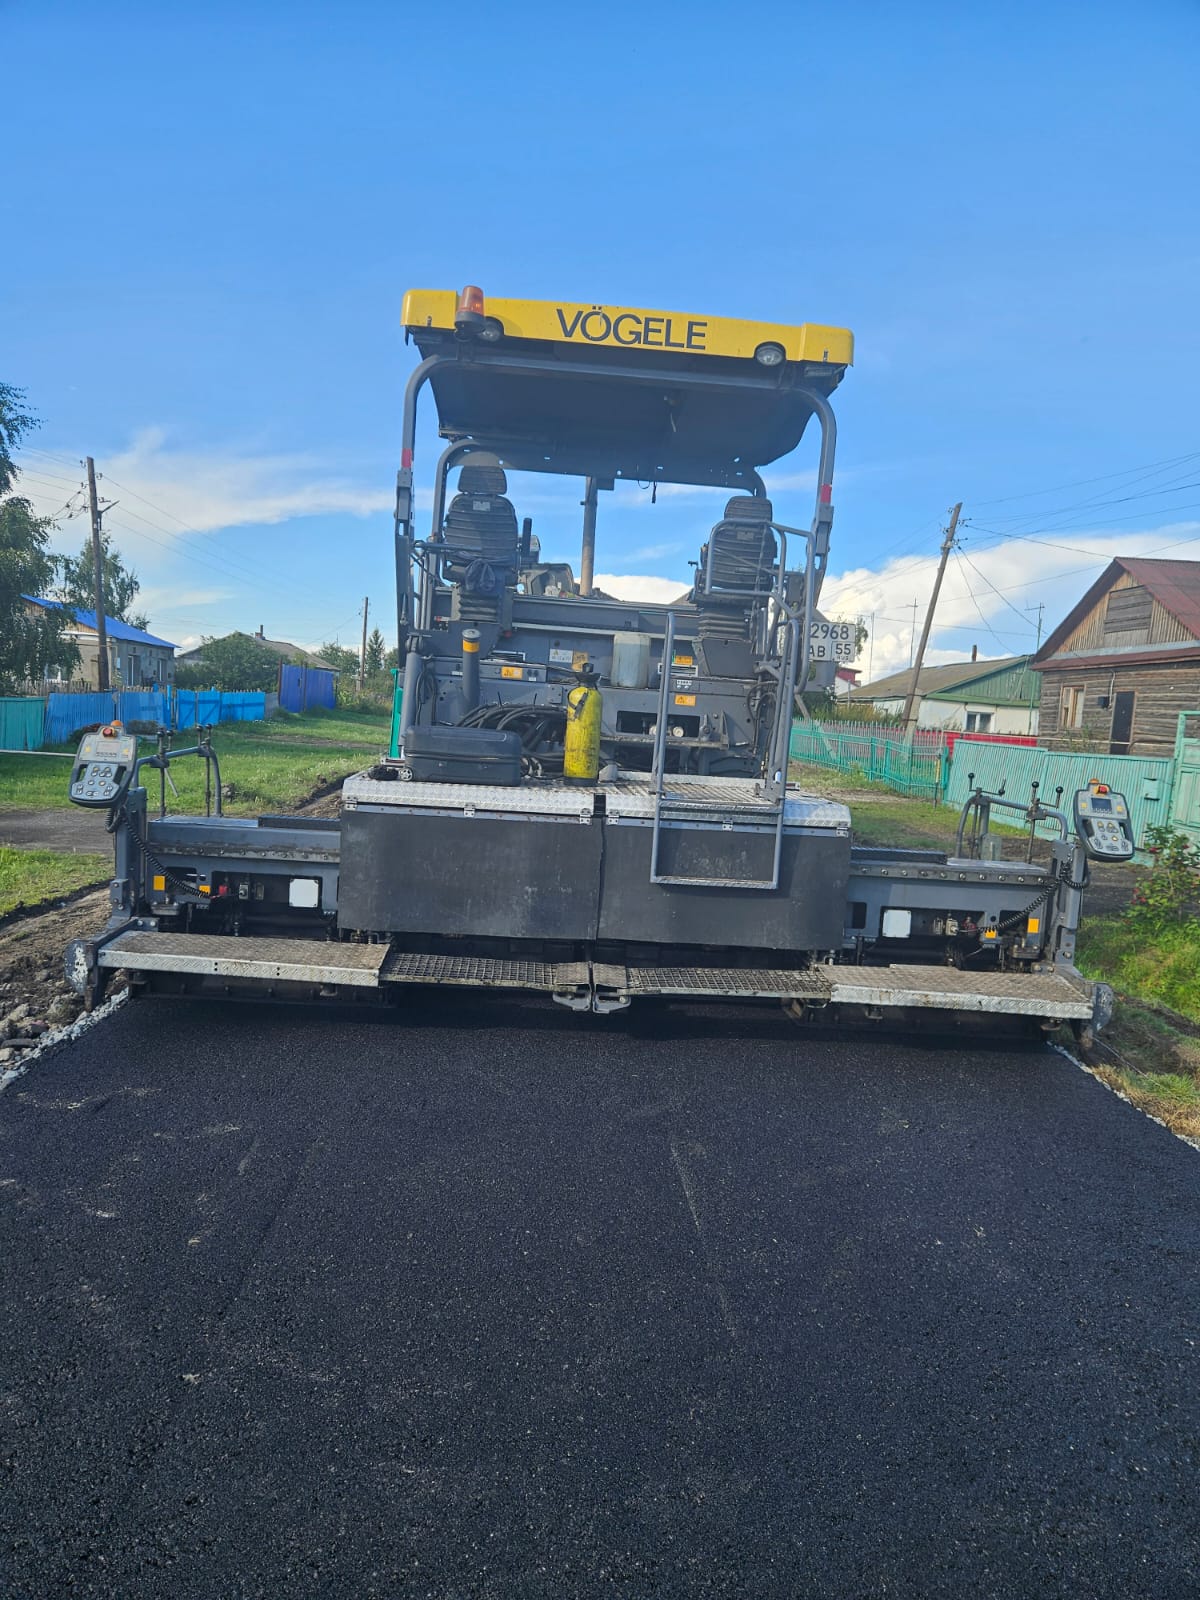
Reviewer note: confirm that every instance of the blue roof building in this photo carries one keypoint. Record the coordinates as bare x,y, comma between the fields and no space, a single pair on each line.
136,658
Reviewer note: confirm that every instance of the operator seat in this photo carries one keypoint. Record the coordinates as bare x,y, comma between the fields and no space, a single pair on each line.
481,540
737,566
739,557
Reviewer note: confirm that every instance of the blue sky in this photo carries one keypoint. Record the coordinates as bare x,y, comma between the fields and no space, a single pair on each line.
214,213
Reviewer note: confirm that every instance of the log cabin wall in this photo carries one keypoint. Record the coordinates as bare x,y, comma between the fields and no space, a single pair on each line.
1107,686
1161,691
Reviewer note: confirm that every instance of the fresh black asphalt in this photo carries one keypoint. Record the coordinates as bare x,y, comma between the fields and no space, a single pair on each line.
489,1300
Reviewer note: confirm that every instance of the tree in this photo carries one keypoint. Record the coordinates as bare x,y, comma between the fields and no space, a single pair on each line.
375,654
77,584
28,643
338,657
235,662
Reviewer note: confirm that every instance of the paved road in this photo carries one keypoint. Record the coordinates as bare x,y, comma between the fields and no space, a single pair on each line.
71,828
685,1304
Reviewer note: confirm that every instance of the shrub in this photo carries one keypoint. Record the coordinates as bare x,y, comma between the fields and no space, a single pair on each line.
1172,891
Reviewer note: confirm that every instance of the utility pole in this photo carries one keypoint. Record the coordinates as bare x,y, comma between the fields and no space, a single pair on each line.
98,579
912,631
910,718
362,660
1033,682
871,650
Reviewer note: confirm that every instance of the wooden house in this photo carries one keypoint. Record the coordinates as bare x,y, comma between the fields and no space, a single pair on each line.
1125,661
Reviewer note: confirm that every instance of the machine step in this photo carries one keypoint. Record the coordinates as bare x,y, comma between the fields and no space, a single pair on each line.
266,960
598,985
746,983
488,972
1020,994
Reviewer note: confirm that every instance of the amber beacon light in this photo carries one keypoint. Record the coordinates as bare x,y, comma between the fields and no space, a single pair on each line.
469,315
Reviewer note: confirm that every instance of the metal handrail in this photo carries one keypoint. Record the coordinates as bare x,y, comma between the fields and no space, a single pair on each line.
658,771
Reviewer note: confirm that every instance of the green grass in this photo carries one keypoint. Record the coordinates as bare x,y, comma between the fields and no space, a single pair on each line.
1147,963
270,765
1154,1037
27,877
881,817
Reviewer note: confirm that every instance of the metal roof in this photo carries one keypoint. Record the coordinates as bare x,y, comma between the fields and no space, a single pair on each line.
1174,584
935,680
113,626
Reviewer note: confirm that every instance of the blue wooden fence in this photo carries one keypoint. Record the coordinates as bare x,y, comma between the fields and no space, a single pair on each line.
67,714
197,708
306,689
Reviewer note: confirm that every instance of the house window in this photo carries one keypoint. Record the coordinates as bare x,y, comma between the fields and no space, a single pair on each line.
1072,707
979,722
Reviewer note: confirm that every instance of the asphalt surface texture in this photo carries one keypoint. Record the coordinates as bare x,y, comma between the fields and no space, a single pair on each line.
70,828
484,1299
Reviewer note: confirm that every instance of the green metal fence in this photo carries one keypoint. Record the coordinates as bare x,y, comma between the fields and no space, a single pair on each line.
1185,796
1144,780
915,769
21,720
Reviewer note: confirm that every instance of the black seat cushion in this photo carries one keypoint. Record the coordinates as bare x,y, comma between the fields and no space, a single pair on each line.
480,533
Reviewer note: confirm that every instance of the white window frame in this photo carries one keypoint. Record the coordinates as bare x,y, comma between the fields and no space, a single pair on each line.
1071,704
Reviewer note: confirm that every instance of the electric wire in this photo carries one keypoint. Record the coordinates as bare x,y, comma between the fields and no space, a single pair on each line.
1079,483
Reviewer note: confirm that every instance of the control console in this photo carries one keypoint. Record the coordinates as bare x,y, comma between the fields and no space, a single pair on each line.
103,767
1102,823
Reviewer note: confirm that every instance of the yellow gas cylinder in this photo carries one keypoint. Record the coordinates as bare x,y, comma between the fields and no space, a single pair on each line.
581,753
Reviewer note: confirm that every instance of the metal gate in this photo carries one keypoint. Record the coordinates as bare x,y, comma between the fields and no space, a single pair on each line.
1185,794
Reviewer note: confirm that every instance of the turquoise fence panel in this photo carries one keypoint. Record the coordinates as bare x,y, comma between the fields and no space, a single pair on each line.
69,714
917,769
1185,796
22,720
1145,781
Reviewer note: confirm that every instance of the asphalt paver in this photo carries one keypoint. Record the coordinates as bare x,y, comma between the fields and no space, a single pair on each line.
484,1299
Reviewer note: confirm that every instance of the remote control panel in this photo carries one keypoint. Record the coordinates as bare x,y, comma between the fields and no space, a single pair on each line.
1102,822
103,767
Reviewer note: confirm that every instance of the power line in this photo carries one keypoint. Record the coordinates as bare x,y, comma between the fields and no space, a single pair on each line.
958,556
992,587
1080,483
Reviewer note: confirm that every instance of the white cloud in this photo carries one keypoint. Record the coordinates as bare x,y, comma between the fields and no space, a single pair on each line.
159,600
181,491
210,490
990,594
640,589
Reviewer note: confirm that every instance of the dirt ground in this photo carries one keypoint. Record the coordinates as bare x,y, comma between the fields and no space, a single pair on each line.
34,997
